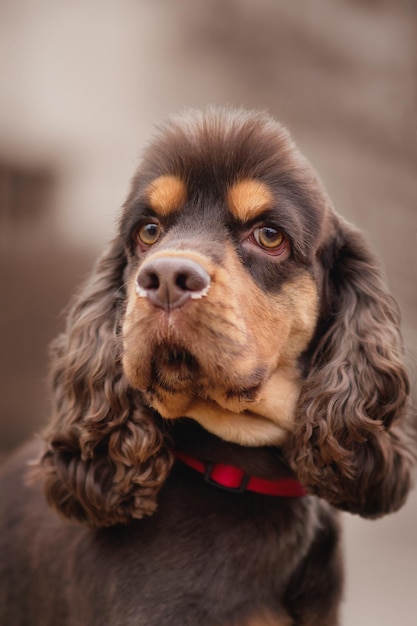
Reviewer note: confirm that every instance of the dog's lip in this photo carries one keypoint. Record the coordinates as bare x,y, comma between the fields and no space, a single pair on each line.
175,356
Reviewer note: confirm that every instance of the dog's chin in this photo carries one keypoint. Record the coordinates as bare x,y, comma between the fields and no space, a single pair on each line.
246,428
266,420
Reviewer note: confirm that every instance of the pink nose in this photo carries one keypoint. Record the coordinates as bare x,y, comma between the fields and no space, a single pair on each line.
169,282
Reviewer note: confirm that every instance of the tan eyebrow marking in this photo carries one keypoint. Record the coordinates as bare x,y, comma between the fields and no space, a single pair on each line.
166,194
248,198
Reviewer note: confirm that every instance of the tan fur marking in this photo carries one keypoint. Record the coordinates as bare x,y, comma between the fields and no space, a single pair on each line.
249,198
246,429
268,421
166,194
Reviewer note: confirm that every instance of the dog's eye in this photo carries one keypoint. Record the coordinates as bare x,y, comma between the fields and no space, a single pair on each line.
149,234
268,237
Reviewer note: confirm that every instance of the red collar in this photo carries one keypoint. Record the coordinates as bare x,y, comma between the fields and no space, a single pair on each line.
234,479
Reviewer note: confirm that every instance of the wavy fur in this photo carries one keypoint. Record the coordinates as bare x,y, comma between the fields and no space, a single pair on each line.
350,444
105,459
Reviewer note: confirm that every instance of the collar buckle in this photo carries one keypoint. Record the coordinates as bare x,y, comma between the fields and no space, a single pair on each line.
211,480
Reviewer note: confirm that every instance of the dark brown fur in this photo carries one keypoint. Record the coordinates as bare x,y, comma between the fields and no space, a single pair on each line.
158,545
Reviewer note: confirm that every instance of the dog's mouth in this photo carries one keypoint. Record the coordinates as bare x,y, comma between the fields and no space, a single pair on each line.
173,368
178,381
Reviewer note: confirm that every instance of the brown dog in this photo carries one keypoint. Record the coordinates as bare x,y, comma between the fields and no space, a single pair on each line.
238,326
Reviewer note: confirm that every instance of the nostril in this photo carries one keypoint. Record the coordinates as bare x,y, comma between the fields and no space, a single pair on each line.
148,280
193,278
181,281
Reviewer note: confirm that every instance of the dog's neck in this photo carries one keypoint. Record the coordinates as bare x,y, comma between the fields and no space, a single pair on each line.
265,462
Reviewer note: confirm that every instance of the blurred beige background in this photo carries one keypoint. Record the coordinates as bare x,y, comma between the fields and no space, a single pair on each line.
82,85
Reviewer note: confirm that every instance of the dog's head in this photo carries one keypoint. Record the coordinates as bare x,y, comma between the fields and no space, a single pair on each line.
222,231
233,294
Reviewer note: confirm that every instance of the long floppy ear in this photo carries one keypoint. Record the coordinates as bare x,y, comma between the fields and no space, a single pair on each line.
350,444
105,459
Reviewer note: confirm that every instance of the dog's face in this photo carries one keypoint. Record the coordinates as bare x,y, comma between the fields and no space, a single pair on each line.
222,234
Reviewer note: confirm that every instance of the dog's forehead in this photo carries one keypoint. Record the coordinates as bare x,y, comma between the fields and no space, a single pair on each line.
224,163
216,149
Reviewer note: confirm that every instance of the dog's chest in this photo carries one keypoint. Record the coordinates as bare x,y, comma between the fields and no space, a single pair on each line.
217,559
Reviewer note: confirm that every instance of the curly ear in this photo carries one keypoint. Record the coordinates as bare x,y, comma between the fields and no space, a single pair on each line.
350,444
105,459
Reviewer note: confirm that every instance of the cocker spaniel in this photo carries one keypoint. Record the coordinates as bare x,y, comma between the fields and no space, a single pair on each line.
230,376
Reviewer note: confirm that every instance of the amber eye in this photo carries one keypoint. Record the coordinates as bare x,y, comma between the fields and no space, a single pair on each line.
268,237
149,234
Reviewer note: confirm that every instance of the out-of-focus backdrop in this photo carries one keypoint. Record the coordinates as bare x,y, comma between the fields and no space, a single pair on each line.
82,85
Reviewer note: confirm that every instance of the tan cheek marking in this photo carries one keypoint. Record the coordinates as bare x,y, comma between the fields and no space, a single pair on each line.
303,300
249,198
166,194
